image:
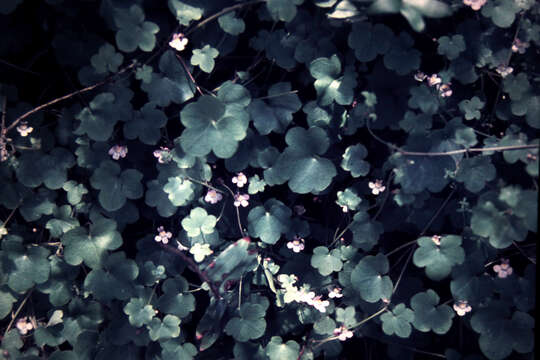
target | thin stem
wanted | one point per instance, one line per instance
(189, 74)
(18, 68)
(443, 205)
(203, 184)
(18, 311)
(402, 271)
(277, 95)
(400, 247)
(65, 97)
(523, 253)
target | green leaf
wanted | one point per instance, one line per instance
(200, 251)
(231, 24)
(275, 111)
(6, 302)
(41, 203)
(75, 191)
(139, 312)
(353, 160)
(146, 124)
(471, 108)
(428, 316)
(283, 10)
(367, 278)
(180, 191)
(401, 57)
(107, 59)
(114, 280)
(324, 326)
(62, 222)
(348, 199)
(133, 31)
(256, 185)
(277, 350)
(116, 187)
(366, 233)
(144, 73)
(233, 262)
(204, 58)
(176, 299)
(59, 286)
(502, 12)
(475, 172)
(91, 246)
(250, 325)
(416, 123)
(185, 12)
(301, 164)
(326, 262)
(199, 222)
(346, 316)
(368, 41)
(451, 47)
(166, 329)
(439, 259)
(270, 221)
(155, 196)
(212, 126)
(398, 321)
(425, 99)
(330, 84)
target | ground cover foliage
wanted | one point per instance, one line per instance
(268, 179)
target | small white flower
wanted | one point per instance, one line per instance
(320, 304)
(23, 325)
(504, 70)
(296, 245)
(163, 235)
(180, 246)
(343, 333)
(504, 269)
(163, 154)
(241, 200)
(436, 239)
(240, 180)
(118, 151)
(420, 76)
(376, 187)
(178, 42)
(3, 231)
(434, 80)
(23, 129)
(344, 208)
(335, 293)
(519, 46)
(475, 4)
(461, 307)
(444, 90)
(213, 197)
(305, 296)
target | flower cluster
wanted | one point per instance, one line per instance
(297, 244)
(163, 235)
(461, 307)
(335, 293)
(23, 129)
(213, 197)
(504, 269)
(504, 70)
(163, 154)
(475, 4)
(178, 42)
(240, 180)
(118, 151)
(241, 200)
(24, 325)
(519, 46)
(343, 333)
(302, 295)
(376, 187)
(434, 80)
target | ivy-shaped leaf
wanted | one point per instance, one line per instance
(75, 191)
(278, 350)
(139, 312)
(146, 124)
(212, 126)
(428, 316)
(398, 321)
(204, 58)
(475, 172)
(471, 108)
(330, 83)
(416, 123)
(176, 299)
(249, 325)
(502, 12)
(256, 185)
(133, 31)
(62, 222)
(366, 233)
(91, 246)
(401, 57)
(424, 98)
(348, 200)
(367, 278)
(232, 24)
(368, 41)
(283, 10)
(275, 111)
(353, 160)
(59, 287)
(326, 262)
(451, 47)
(278, 47)
(179, 190)
(200, 251)
(233, 262)
(270, 221)
(106, 60)
(438, 259)
(161, 330)
(185, 12)
(115, 186)
(199, 222)
(39, 204)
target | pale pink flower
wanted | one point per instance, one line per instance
(319, 304)
(297, 244)
(162, 154)
(504, 70)
(241, 199)
(23, 325)
(305, 296)
(436, 239)
(163, 235)
(444, 90)
(343, 333)
(376, 187)
(213, 197)
(178, 42)
(335, 293)
(240, 180)
(344, 208)
(420, 76)
(475, 4)
(519, 46)
(504, 269)
(461, 307)
(23, 129)
(434, 80)
(118, 151)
